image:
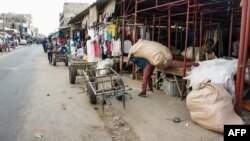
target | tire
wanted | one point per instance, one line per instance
(72, 75)
(66, 63)
(91, 94)
(116, 83)
(54, 61)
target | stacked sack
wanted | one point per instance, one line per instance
(157, 54)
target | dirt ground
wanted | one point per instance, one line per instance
(151, 118)
(59, 111)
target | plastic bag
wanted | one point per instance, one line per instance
(189, 54)
(219, 71)
(104, 64)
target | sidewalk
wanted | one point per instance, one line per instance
(151, 117)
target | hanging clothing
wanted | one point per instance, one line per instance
(91, 33)
(105, 34)
(109, 45)
(147, 35)
(91, 51)
(127, 46)
(113, 28)
(142, 33)
(97, 49)
(109, 36)
(127, 29)
(116, 47)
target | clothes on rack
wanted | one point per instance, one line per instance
(91, 51)
(116, 47)
(127, 46)
(91, 33)
(112, 29)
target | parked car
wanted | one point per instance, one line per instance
(3, 45)
(23, 42)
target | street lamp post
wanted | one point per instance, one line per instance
(3, 23)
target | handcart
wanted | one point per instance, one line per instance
(77, 67)
(59, 57)
(107, 84)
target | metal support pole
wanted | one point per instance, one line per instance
(3, 24)
(231, 32)
(185, 54)
(245, 54)
(169, 28)
(241, 52)
(135, 37)
(123, 35)
(195, 24)
(153, 34)
(176, 35)
(201, 20)
(159, 30)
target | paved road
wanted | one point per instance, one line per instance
(36, 100)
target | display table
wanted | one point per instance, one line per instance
(176, 68)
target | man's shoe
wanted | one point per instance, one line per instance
(142, 95)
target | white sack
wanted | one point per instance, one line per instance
(211, 107)
(189, 54)
(104, 64)
(157, 54)
(219, 71)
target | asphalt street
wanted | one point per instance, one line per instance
(38, 102)
(17, 73)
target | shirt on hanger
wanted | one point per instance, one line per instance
(116, 47)
(127, 46)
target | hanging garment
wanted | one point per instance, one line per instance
(142, 32)
(109, 33)
(97, 49)
(215, 36)
(91, 51)
(109, 45)
(127, 29)
(109, 36)
(105, 34)
(148, 35)
(116, 47)
(105, 49)
(91, 33)
(113, 28)
(127, 46)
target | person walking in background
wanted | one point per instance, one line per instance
(50, 52)
(45, 43)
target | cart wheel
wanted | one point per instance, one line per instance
(118, 82)
(54, 60)
(91, 94)
(72, 75)
(66, 63)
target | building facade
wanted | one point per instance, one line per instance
(70, 10)
(22, 23)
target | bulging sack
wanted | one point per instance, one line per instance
(211, 107)
(157, 54)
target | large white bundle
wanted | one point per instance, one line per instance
(189, 54)
(219, 71)
(211, 107)
(104, 64)
(157, 54)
